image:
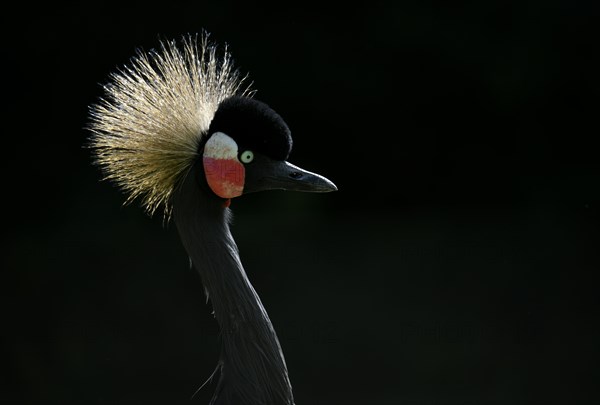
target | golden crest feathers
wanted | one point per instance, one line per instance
(147, 129)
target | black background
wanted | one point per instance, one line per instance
(455, 265)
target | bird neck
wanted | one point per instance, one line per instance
(253, 369)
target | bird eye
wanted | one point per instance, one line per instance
(247, 156)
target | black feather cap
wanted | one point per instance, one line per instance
(253, 125)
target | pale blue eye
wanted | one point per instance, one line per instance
(247, 156)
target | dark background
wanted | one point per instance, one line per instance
(456, 265)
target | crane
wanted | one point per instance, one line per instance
(178, 129)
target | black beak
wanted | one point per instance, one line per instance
(268, 174)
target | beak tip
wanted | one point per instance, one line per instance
(324, 185)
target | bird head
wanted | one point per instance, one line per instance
(246, 150)
(181, 108)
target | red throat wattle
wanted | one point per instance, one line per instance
(225, 177)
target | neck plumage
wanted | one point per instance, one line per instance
(252, 366)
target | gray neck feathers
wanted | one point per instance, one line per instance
(252, 366)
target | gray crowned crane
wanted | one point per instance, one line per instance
(178, 130)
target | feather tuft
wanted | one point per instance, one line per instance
(147, 128)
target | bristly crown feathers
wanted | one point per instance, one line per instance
(156, 111)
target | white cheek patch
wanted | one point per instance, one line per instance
(221, 146)
(224, 173)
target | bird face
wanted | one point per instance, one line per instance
(246, 151)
